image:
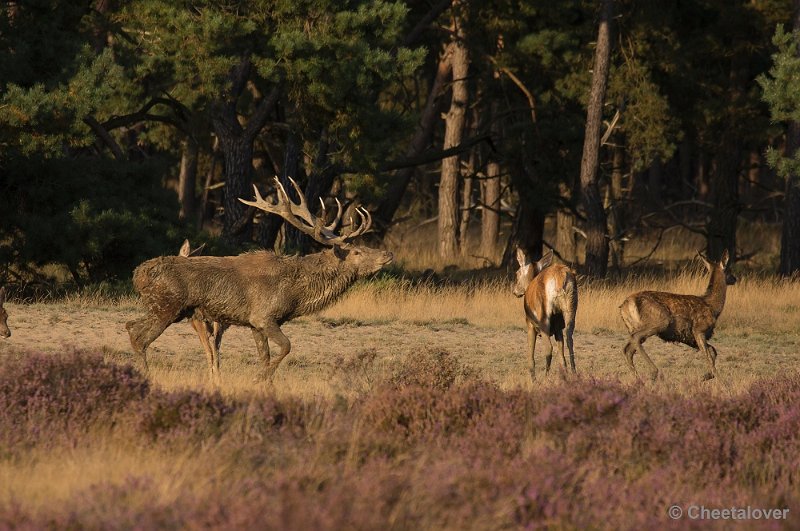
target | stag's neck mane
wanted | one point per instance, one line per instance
(715, 292)
(324, 279)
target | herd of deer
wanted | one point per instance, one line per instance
(262, 291)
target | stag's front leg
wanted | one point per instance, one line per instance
(201, 327)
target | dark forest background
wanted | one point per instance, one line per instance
(128, 126)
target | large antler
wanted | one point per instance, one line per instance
(299, 216)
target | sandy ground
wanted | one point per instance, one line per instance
(320, 347)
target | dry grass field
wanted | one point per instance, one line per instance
(402, 406)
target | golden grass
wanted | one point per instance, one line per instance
(755, 304)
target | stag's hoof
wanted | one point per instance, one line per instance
(707, 376)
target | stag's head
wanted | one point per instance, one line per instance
(720, 268)
(4, 330)
(364, 260)
(528, 270)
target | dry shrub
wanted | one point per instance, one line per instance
(183, 415)
(431, 369)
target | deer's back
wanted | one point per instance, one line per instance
(552, 292)
(685, 314)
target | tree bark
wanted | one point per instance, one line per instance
(618, 209)
(527, 233)
(466, 205)
(454, 132)
(187, 179)
(790, 234)
(490, 214)
(236, 144)
(596, 241)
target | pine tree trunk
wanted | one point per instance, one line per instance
(790, 235)
(527, 233)
(490, 214)
(617, 210)
(463, 226)
(454, 132)
(565, 235)
(596, 241)
(187, 179)
(238, 156)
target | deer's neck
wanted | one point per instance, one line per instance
(715, 292)
(324, 285)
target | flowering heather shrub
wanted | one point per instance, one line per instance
(184, 415)
(44, 395)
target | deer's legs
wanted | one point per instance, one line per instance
(711, 355)
(629, 351)
(568, 330)
(262, 345)
(532, 332)
(548, 358)
(203, 332)
(273, 332)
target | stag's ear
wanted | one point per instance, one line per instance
(185, 249)
(546, 260)
(724, 259)
(340, 252)
(522, 258)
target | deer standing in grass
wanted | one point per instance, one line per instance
(209, 332)
(4, 330)
(551, 302)
(687, 319)
(256, 289)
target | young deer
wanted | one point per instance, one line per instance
(687, 319)
(209, 331)
(551, 301)
(4, 330)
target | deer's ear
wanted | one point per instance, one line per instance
(185, 248)
(522, 258)
(2, 296)
(340, 252)
(546, 260)
(724, 259)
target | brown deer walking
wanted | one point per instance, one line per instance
(687, 319)
(550, 302)
(4, 330)
(257, 289)
(209, 332)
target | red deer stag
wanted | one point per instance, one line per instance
(256, 289)
(687, 319)
(209, 332)
(551, 301)
(4, 330)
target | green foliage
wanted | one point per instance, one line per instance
(780, 93)
(98, 218)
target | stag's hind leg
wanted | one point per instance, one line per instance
(271, 331)
(532, 333)
(204, 333)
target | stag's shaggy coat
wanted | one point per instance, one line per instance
(687, 319)
(258, 289)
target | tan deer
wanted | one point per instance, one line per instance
(256, 289)
(4, 330)
(687, 319)
(551, 302)
(209, 332)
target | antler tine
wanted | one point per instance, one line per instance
(332, 225)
